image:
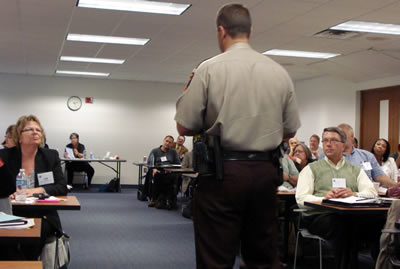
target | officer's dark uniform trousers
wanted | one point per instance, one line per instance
(242, 208)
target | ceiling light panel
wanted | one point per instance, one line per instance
(369, 27)
(136, 6)
(107, 39)
(298, 53)
(91, 60)
(96, 74)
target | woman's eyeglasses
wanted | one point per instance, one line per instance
(31, 130)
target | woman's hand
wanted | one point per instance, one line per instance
(30, 192)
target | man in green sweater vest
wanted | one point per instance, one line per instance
(334, 177)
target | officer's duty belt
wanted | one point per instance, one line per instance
(247, 155)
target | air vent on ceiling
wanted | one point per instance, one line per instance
(337, 34)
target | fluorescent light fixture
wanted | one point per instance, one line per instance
(298, 53)
(66, 72)
(91, 60)
(136, 6)
(369, 27)
(108, 39)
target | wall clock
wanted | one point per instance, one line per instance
(74, 103)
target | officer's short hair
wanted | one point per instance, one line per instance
(235, 18)
(73, 134)
(337, 130)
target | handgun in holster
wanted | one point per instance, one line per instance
(207, 156)
(277, 156)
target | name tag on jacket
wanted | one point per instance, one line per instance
(45, 178)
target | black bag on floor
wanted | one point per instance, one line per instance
(112, 185)
(141, 196)
(187, 210)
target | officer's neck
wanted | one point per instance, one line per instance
(229, 42)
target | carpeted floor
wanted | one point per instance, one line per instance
(115, 230)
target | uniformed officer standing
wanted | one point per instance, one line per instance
(247, 100)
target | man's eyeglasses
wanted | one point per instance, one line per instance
(333, 141)
(31, 130)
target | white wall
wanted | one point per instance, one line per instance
(127, 118)
(325, 102)
(130, 118)
(329, 101)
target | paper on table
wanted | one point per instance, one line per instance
(29, 223)
(70, 153)
(51, 199)
(29, 200)
(285, 189)
(355, 200)
(4, 218)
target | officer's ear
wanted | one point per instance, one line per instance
(221, 30)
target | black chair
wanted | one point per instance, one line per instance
(306, 234)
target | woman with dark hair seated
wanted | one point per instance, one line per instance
(29, 155)
(78, 151)
(301, 156)
(381, 150)
(8, 138)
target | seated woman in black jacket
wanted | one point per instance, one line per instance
(29, 155)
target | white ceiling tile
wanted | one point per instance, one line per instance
(32, 37)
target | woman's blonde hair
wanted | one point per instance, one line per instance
(20, 125)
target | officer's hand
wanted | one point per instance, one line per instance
(155, 171)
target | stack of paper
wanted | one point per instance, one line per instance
(10, 220)
(355, 200)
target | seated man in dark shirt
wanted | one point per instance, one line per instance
(165, 184)
(78, 151)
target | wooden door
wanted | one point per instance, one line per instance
(370, 110)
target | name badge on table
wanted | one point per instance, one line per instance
(45, 178)
(163, 159)
(367, 166)
(338, 182)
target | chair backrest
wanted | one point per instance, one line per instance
(300, 211)
(5, 205)
(390, 242)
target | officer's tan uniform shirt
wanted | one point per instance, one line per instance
(242, 96)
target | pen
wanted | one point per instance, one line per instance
(47, 201)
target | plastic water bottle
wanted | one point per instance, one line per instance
(21, 182)
(91, 156)
(84, 153)
(151, 160)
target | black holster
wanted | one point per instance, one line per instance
(207, 156)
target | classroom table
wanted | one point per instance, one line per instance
(28, 235)
(140, 166)
(351, 212)
(66, 203)
(117, 170)
(348, 210)
(21, 265)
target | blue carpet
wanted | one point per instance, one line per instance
(115, 230)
